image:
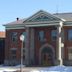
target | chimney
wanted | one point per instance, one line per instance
(17, 18)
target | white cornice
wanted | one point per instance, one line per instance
(32, 24)
(14, 26)
(41, 22)
(68, 23)
(39, 25)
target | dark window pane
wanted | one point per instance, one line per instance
(69, 34)
(54, 35)
(14, 36)
(41, 35)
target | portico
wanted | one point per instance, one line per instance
(58, 60)
(42, 19)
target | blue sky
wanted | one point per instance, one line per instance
(11, 9)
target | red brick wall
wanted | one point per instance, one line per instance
(48, 40)
(38, 45)
(9, 43)
(67, 43)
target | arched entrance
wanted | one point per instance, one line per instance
(47, 55)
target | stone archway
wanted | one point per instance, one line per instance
(46, 55)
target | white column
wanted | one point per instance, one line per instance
(27, 47)
(59, 42)
(63, 43)
(32, 46)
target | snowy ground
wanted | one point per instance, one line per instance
(54, 69)
(37, 69)
(8, 68)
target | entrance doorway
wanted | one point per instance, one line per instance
(47, 57)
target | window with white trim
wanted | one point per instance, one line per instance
(54, 34)
(70, 53)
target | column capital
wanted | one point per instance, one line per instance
(61, 23)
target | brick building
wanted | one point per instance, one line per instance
(2, 47)
(48, 39)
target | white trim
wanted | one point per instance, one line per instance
(46, 45)
(15, 28)
(19, 26)
(44, 23)
(41, 22)
(41, 25)
(68, 23)
(32, 24)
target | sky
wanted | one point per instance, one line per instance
(11, 9)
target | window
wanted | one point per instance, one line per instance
(54, 35)
(41, 36)
(70, 34)
(13, 53)
(14, 36)
(70, 53)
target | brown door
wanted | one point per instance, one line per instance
(46, 59)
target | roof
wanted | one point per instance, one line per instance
(20, 21)
(66, 16)
(2, 34)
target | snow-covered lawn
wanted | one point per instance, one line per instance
(54, 69)
(7, 69)
(36, 69)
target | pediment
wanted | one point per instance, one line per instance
(42, 16)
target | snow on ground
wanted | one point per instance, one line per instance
(54, 69)
(7, 68)
(36, 69)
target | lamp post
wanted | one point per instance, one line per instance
(22, 37)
